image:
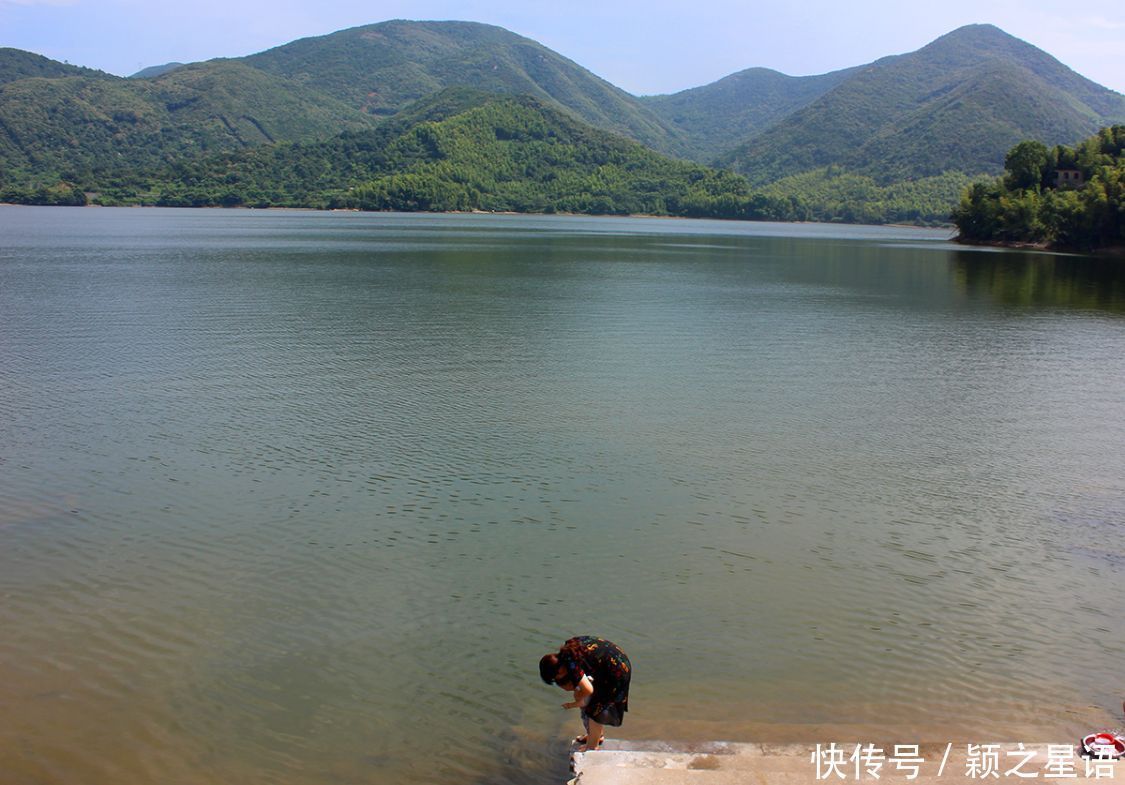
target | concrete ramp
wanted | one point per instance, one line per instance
(622, 762)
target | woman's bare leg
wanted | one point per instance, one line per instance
(594, 733)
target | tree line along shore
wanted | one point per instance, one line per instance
(1065, 198)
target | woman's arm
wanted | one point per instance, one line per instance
(582, 694)
(584, 691)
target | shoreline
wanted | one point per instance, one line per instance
(274, 208)
(478, 211)
(1042, 247)
(727, 763)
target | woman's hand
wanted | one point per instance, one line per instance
(570, 705)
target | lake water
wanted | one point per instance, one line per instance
(301, 498)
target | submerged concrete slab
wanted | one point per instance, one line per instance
(621, 762)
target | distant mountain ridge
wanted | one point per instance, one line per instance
(957, 104)
(383, 67)
(933, 117)
(154, 71)
(16, 64)
(738, 106)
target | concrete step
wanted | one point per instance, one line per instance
(706, 756)
(622, 762)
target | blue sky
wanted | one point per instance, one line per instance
(643, 47)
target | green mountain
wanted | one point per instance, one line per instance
(957, 104)
(154, 71)
(894, 140)
(87, 130)
(466, 150)
(16, 64)
(383, 67)
(715, 117)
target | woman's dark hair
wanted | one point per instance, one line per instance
(548, 668)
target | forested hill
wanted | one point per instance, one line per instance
(895, 140)
(957, 104)
(383, 67)
(17, 64)
(154, 71)
(90, 130)
(715, 117)
(466, 150)
(1063, 197)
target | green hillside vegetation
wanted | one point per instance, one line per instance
(91, 132)
(464, 150)
(381, 68)
(957, 104)
(154, 71)
(832, 194)
(16, 64)
(715, 117)
(1027, 204)
(893, 141)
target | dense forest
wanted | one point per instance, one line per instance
(1060, 197)
(459, 150)
(834, 194)
(91, 131)
(468, 150)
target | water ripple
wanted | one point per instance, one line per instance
(302, 498)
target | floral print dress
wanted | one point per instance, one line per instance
(608, 668)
